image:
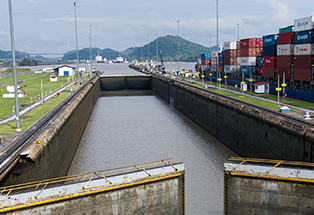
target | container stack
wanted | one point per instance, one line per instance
(248, 55)
(230, 57)
(205, 61)
(215, 59)
(303, 49)
(221, 61)
(285, 40)
(269, 55)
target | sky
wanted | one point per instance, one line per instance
(42, 26)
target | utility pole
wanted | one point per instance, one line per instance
(156, 48)
(142, 49)
(17, 107)
(218, 74)
(238, 32)
(90, 51)
(178, 21)
(148, 48)
(77, 55)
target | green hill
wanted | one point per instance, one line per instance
(188, 51)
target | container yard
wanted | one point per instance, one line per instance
(284, 58)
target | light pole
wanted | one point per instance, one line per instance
(238, 32)
(17, 109)
(178, 21)
(148, 48)
(218, 74)
(90, 51)
(142, 49)
(77, 55)
(156, 47)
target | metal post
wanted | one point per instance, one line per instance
(283, 85)
(238, 32)
(142, 49)
(90, 51)
(77, 55)
(17, 109)
(178, 45)
(148, 48)
(217, 45)
(278, 89)
(156, 48)
(42, 91)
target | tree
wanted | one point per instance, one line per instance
(28, 62)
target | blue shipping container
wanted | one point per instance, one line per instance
(247, 69)
(260, 61)
(303, 37)
(222, 62)
(269, 51)
(205, 56)
(269, 40)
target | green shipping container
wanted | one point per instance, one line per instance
(287, 29)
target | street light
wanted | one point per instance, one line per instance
(238, 31)
(156, 48)
(17, 109)
(148, 48)
(77, 55)
(90, 51)
(178, 21)
(218, 74)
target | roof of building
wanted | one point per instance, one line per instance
(63, 66)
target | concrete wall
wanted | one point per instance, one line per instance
(165, 196)
(130, 82)
(51, 154)
(247, 131)
(247, 195)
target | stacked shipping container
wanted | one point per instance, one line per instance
(285, 53)
(269, 55)
(230, 57)
(205, 62)
(249, 50)
(303, 49)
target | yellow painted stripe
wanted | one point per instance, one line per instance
(31, 151)
(273, 177)
(63, 198)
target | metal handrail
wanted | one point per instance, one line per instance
(258, 160)
(83, 176)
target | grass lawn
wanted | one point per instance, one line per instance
(32, 90)
(32, 116)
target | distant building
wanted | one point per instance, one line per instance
(64, 70)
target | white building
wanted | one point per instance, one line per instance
(262, 88)
(65, 70)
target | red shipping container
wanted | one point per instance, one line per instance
(233, 53)
(282, 70)
(221, 69)
(248, 52)
(259, 52)
(269, 71)
(285, 38)
(230, 61)
(269, 61)
(259, 42)
(248, 43)
(238, 44)
(205, 61)
(284, 61)
(302, 74)
(303, 61)
(238, 53)
(259, 70)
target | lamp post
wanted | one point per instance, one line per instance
(17, 109)
(148, 48)
(178, 21)
(77, 55)
(142, 49)
(238, 31)
(156, 48)
(90, 51)
(218, 74)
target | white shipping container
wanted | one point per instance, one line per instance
(248, 61)
(230, 68)
(286, 49)
(213, 54)
(304, 24)
(304, 49)
(230, 45)
(214, 60)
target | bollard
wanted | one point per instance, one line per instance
(31, 100)
(49, 91)
(13, 109)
